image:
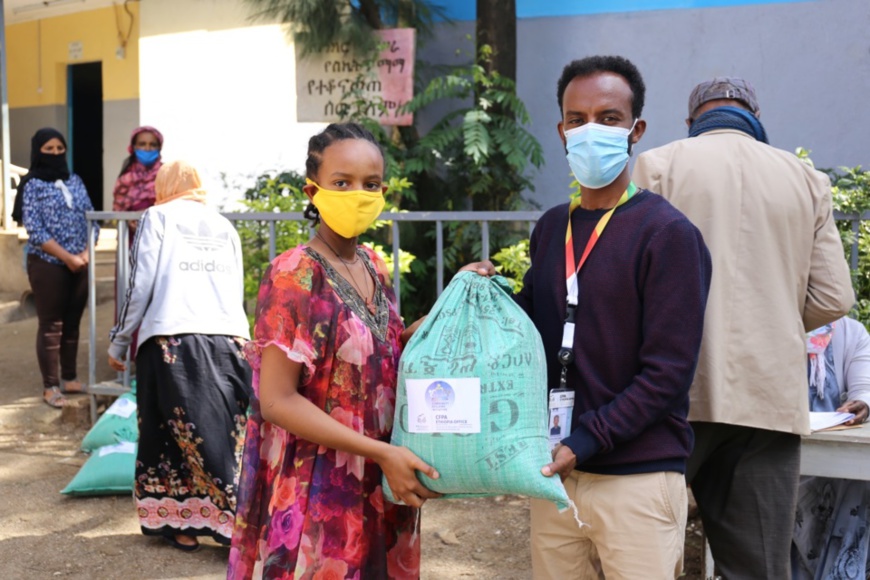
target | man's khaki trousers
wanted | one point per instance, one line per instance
(634, 527)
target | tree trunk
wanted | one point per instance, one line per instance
(497, 27)
(371, 11)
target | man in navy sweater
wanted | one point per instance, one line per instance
(622, 335)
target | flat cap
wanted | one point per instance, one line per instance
(723, 88)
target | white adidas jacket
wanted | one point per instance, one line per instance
(186, 277)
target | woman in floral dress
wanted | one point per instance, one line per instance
(325, 356)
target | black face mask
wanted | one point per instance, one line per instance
(49, 167)
(43, 166)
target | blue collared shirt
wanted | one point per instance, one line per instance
(47, 217)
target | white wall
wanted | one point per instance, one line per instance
(221, 87)
(809, 62)
(221, 90)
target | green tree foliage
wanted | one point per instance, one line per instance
(850, 187)
(512, 263)
(319, 24)
(482, 150)
(478, 156)
(270, 192)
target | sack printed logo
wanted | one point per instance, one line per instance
(440, 396)
(203, 240)
(445, 405)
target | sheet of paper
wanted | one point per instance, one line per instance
(122, 447)
(825, 420)
(443, 405)
(122, 407)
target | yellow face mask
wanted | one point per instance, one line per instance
(347, 213)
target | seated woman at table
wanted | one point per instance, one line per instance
(832, 526)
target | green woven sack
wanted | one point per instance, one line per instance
(109, 470)
(117, 424)
(472, 396)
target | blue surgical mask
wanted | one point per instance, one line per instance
(147, 157)
(597, 153)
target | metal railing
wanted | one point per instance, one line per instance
(438, 218)
(122, 258)
(855, 220)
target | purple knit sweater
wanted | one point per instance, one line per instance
(639, 320)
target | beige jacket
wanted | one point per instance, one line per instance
(779, 270)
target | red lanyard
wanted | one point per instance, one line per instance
(570, 271)
(566, 353)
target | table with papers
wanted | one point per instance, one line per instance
(844, 453)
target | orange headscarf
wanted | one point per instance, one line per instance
(178, 180)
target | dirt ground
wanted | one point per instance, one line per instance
(44, 534)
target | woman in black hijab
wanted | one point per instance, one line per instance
(53, 206)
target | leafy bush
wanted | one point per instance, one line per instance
(512, 263)
(270, 192)
(476, 157)
(281, 192)
(850, 187)
(481, 151)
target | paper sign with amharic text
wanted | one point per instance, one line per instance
(325, 79)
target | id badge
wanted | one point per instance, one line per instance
(561, 411)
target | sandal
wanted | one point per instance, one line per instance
(79, 389)
(172, 541)
(54, 398)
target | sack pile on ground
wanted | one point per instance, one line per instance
(111, 442)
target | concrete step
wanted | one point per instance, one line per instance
(105, 252)
(104, 270)
(13, 276)
(12, 310)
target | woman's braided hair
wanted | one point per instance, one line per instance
(318, 144)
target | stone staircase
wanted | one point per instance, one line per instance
(104, 264)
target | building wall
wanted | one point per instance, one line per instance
(38, 56)
(809, 62)
(221, 88)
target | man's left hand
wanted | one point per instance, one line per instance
(563, 463)
(484, 268)
(858, 408)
